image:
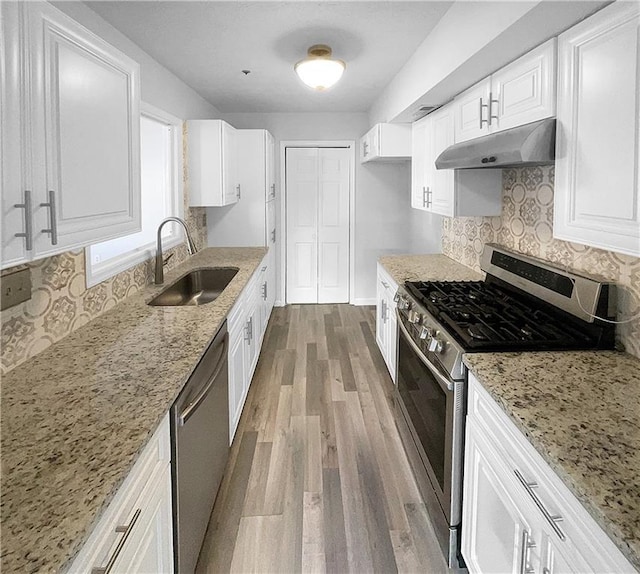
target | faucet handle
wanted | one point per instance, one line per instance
(166, 259)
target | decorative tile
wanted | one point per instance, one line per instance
(526, 225)
(58, 270)
(58, 321)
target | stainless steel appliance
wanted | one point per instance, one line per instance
(530, 144)
(523, 304)
(200, 448)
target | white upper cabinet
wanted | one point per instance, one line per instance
(212, 163)
(597, 186)
(471, 112)
(518, 94)
(386, 142)
(452, 193)
(249, 222)
(70, 135)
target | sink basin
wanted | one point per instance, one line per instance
(196, 288)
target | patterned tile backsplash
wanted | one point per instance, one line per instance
(61, 303)
(526, 226)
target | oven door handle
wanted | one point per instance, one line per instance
(446, 384)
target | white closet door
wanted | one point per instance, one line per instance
(302, 225)
(333, 225)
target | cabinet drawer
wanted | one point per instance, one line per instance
(573, 526)
(123, 509)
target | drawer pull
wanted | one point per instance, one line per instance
(28, 220)
(552, 520)
(527, 545)
(126, 530)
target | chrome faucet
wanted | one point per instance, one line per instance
(160, 261)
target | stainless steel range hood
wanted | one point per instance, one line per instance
(531, 144)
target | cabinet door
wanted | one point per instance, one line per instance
(525, 91)
(497, 535)
(270, 171)
(232, 191)
(150, 546)
(15, 184)
(381, 316)
(597, 192)
(366, 146)
(236, 378)
(440, 196)
(419, 133)
(392, 334)
(471, 111)
(86, 134)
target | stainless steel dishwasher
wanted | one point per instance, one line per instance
(200, 448)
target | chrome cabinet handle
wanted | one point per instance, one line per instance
(273, 190)
(273, 236)
(383, 309)
(482, 106)
(126, 529)
(491, 102)
(238, 190)
(365, 149)
(264, 291)
(552, 520)
(384, 284)
(53, 223)
(527, 545)
(28, 220)
(192, 407)
(264, 268)
(546, 570)
(426, 197)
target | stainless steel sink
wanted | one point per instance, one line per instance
(196, 288)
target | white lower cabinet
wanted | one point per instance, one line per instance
(135, 533)
(246, 323)
(386, 325)
(517, 515)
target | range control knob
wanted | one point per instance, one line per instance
(425, 332)
(413, 316)
(436, 345)
(403, 303)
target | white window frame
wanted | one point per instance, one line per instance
(99, 272)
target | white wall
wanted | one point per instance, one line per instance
(159, 87)
(383, 211)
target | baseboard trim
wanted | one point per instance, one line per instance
(364, 301)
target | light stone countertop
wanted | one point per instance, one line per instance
(581, 411)
(77, 415)
(434, 267)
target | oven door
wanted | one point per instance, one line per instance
(432, 406)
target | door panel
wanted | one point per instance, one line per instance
(318, 182)
(90, 122)
(302, 233)
(333, 226)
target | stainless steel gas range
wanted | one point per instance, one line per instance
(523, 305)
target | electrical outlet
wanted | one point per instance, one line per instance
(15, 288)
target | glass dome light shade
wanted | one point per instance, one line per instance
(318, 70)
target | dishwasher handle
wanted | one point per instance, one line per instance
(193, 405)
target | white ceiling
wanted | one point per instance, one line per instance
(208, 44)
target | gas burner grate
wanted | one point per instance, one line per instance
(484, 316)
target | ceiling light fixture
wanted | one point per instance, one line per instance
(318, 70)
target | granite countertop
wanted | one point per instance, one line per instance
(76, 416)
(581, 411)
(434, 267)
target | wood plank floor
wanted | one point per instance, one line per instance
(317, 479)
